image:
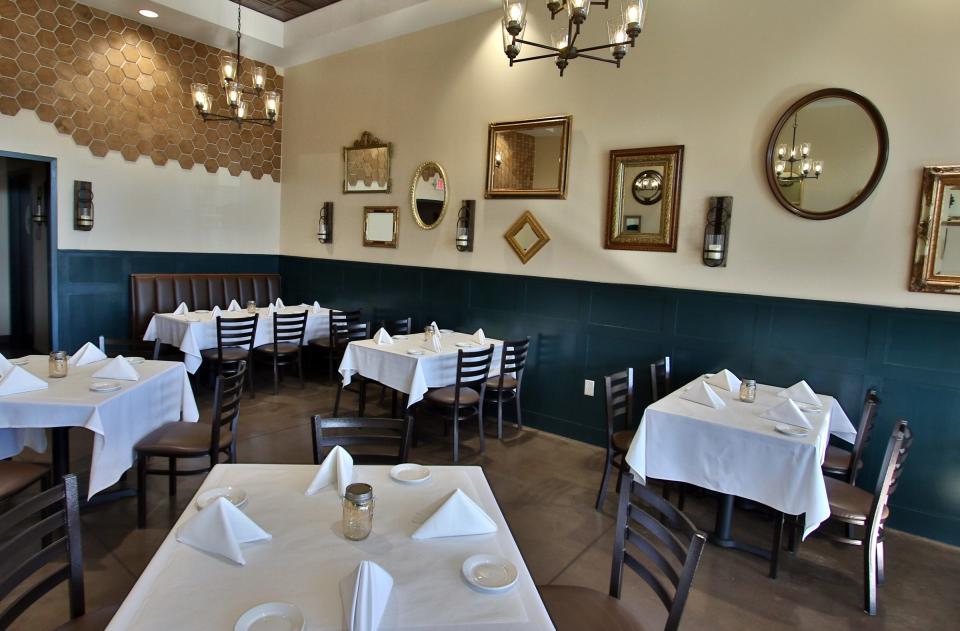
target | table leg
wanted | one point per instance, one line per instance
(60, 453)
(722, 534)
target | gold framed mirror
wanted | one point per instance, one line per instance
(429, 194)
(528, 158)
(936, 262)
(381, 226)
(643, 204)
(526, 236)
(366, 165)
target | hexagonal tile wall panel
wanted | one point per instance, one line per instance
(117, 85)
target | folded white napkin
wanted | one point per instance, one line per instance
(336, 468)
(316, 307)
(788, 412)
(215, 312)
(434, 344)
(220, 528)
(435, 327)
(279, 304)
(725, 380)
(800, 392)
(703, 394)
(271, 310)
(5, 365)
(382, 337)
(86, 354)
(365, 593)
(182, 309)
(18, 380)
(118, 368)
(234, 306)
(480, 337)
(458, 516)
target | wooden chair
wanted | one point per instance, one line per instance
(843, 464)
(369, 440)
(618, 390)
(180, 439)
(287, 346)
(661, 378)
(343, 335)
(112, 346)
(37, 535)
(235, 337)
(327, 345)
(16, 476)
(506, 386)
(665, 559)
(464, 400)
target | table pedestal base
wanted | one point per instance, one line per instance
(722, 536)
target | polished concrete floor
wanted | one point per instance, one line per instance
(546, 486)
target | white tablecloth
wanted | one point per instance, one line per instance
(186, 589)
(117, 419)
(191, 337)
(390, 364)
(735, 451)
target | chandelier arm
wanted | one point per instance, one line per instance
(237, 72)
(549, 56)
(536, 45)
(598, 47)
(609, 61)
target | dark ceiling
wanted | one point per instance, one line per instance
(284, 10)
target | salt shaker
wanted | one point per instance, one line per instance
(748, 390)
(358, 511)
(58, 364)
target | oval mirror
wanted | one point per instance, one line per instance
(826, 154)
(428, 195)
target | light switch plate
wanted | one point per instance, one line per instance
(588, 388)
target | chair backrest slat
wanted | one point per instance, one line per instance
(898, 449)
(351, 332)
(236, 332)
(289, 328)
(513, 359)
(473, 368)
(619, 399)
(339, 319)
(868, 420)
(661, 377)
(403, 326)
(227, 394)
(381, 440)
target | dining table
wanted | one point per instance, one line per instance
(196, 331)
(117, 419)
(307, 557)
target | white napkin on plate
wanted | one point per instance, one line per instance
(801, 392)
(5, 365)
(316, 307)
(215, 312)
(703, 394)
(337, 468)
(86, 354)
(365, 594)
(788, 412)
(182, 309)
(19, 380)
(279, 304)
(220, 528)
(118, 368)
(434, 344)
(480, 337)
(382, 337)
(458, 516)
(234, 306)
(725, 380)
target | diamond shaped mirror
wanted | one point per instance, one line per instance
(526, 236)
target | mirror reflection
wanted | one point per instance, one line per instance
(528, 158)
(428, 195)
(380, 226)
(642, 211)
(526, 238)
(644, 198)
(947, 262)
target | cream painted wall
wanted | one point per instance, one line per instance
(712, 75)
(141, 206)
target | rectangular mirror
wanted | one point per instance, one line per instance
(644, 199)
(366, 165)
(528, 158)
(380, 226)
(936, 265)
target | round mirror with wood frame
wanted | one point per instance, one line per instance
(429, 195)
(827, 154)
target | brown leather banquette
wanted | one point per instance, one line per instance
(162, 293)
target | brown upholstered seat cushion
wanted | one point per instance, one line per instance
(837, 460)
(283, 348)
(509, 383)
(848, 502)
(230, 353)
(180, 439)
(444, 396)
(91, 621)
(16, 476)
(582, 609)
(320, 342)
(622, 440)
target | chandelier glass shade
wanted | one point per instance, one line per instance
(794, 163)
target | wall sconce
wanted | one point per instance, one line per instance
(716, 234)
(465, 226)
(39, 216)
(82, 205)
(325, 225)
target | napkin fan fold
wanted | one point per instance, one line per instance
(480, 337)
(118, 368)
(336, 468)
(703, 394)
(86, 354)
(181, 309)
(5, 365)
(17, 380)
(725, 380)
(458, 516)
(220, 528)
(365, 594)
(382, 337)
(234, 306)
(801, 392)
(788, 412)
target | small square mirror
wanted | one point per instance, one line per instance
(380, 226)
(526, 236)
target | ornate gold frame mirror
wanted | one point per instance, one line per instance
(429, 195)
(643, 205)
(528, 158)
(381, 226)
(936, 261)
(366, 165)
(526, 236)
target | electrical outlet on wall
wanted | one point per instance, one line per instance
(588, 387)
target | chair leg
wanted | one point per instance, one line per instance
(881, 573)
(480, 419)
(276, 376)
(330, 364)
(499, 416)
(336, 401)
(172, 477)
(300, 367)
(393, 405)
(141, 491)
(681, 495)
(456, 437)
(516, 401)
(253, 394)
(777, 544)
(870, 575)
(602, 494)
(362, 403)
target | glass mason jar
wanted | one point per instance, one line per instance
(358, 511)
(427, 333)
(58, 364)
(251, 306)
(748, 390)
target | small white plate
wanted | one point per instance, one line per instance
(446, 331)
(415, 351)
(791, 430)
(105, 386)
(234, 495)
(271, 617)
(135, 360)
(467, 344)
(809, 408)
(489, 573)
(399, 337)
(22, 361)
(410, 473)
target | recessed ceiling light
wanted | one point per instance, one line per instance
(147, 13)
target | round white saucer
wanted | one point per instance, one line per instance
(410, 473)
(234, 495)
(489, 573)
(272, 617)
